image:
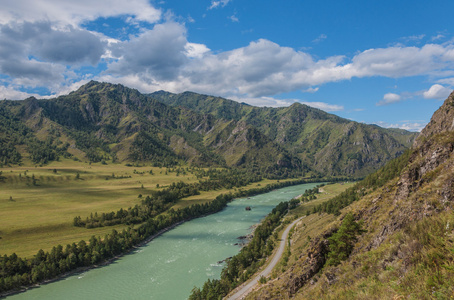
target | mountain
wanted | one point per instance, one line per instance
(102, 122)
(322, 141)
(405, 249)
(107, 122)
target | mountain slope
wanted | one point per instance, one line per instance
(407, 250)
(324, 142)
(102, 122)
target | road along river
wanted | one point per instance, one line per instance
(246, 288)
(172, 264)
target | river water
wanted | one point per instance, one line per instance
(172, 264)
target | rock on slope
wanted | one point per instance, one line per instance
(408, 249)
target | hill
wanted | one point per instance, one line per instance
(102, 122)
(405, 245)
(322, 141)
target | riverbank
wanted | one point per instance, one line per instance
(82, 270)
(171, 265)
(216, 205)
(244, 289)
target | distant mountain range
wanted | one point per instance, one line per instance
(102, 122)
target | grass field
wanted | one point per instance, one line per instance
(327, 192)
(38, 204)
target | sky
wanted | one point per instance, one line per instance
(386, 62)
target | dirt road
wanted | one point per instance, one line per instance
(245, 289)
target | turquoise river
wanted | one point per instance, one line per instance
(170, 266)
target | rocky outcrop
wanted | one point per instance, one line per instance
(313, 262)
(442, 121)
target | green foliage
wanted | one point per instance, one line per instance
(390, 171)
(342, 242)
(108, 121)
(16, 273)
(304, 133)
(243, 265)
(147, 147)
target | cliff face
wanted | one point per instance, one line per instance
(442, 121)
(408, 249)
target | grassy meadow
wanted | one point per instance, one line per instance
(38, 204)
(327, 192)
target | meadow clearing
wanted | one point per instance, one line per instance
(38, 204)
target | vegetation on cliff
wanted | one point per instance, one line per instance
(407, 251)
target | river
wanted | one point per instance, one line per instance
(170, 266)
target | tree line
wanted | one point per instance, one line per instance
(16, 272)
(161, 200)
(373, 181)
(243, 265)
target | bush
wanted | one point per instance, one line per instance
(341, 243)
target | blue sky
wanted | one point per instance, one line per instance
(389, 63)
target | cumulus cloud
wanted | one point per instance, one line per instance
(10, 93)
(262, 68)
(399, 61)
(437, 91)
(42, 42)
(36, 54)
(194, 50)
(76, 12)
(389, 98)
(46, 42)
(67, 45)
(157, 54)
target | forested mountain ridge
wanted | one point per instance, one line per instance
(102, 122)
(405, 245)
(322, 141)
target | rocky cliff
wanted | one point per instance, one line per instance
(408, 249)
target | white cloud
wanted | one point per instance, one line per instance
(263, 101)
(389, 98)
(220, 3)
(10, 93)
(311, 90)
(234, 18)
(272, 102)
(400, 61)
(190, 19)
(324, 106)
(437, 37)
(250, 72)
(76, 12)
(42, 53)
(37, 54)
(448, 81)
(415, 126)
(414, 38)
(320, 38)
(157, 54)
(437, 91)
(194, 50)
